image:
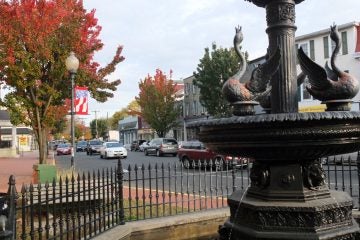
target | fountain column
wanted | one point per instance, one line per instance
(280, 17)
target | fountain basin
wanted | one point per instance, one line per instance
(283, 137)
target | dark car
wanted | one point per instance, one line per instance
(194, 152)
(161, 146)
(63, 149)
(135, 145)
(93, 146)
(81, 146)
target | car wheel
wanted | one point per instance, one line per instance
(146, 152)
(158, 154)
(186, 163)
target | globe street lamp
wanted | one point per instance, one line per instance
(72, 65)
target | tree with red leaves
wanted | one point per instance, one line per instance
(36, 36)
(157, 102)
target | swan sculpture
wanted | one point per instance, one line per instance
(328, 84)
(251, 90)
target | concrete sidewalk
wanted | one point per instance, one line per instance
(21, 167)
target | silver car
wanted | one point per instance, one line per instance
(113, 150)
(161, 146)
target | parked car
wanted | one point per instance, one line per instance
(135, 145)
(93, 146)
(81, 146)
(112, 150)
(63, 149)
(127, 146)
(194, 152)
(161, 146)
(143, 146)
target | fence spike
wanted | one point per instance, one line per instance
(23, 189)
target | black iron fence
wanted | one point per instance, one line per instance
(83, 206)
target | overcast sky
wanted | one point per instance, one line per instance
(172, 34)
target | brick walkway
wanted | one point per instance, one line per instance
(21, 167)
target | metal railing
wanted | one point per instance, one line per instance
(83, 206)
(165, 190)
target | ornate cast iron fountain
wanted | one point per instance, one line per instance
(288, 197)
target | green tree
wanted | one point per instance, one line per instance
(157, 102)
(99, 128)
(33, 50)
(216, 66)
(132, 108)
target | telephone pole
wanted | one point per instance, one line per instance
(96, 128)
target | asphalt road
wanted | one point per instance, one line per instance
(85, 163)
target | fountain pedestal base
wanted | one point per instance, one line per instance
(325, 218)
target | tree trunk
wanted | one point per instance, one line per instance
(42, 145)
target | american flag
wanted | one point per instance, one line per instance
(81, 100)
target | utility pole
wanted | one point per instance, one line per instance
(96, 128)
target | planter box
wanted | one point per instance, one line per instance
(43, 173)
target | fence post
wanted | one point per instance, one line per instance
(9, 211)
(120, 176)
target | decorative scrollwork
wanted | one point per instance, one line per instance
(313, 175)
(287, 12)
(260, 175)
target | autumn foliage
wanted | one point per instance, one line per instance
(157, 102)
(36, 36)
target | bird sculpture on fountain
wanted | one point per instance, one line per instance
(236, 92)
(330, 85)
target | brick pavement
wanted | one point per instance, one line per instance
(21, 167)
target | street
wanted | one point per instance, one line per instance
(85, 163)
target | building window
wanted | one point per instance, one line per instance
(326, 46)
(305, 48)
(344, 43)
(195, 108)
(305, 95)
(312, 50)
(187, 109)
(193, 89)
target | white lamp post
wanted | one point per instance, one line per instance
(72, 65)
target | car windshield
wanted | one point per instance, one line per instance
(170, 141)
(95, 143)
(63, 145)
(113, 145)
(81, 143)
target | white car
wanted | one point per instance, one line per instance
(143, 146)
(113, 150)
